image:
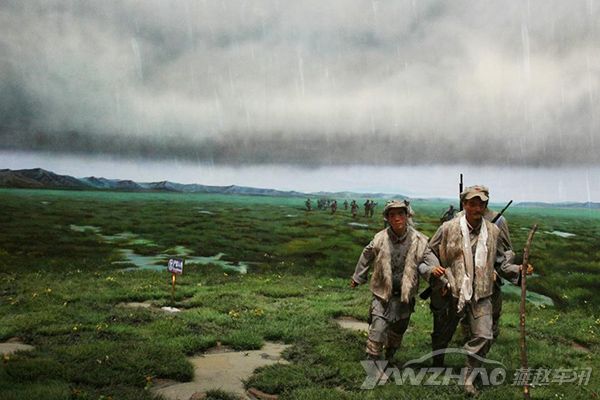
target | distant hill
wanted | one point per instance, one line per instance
(587, 204)
(41, 179)
(38, 178)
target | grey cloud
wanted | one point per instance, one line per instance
(335, 82)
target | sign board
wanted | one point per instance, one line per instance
(175, 266)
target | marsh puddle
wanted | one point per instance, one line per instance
(84, 228)
(560, 234)
(532, 297)
(153, 263)
(352, 323)
(159, 262)
(149, 305)
(358, 224)
(222, 369)
(13, 345)
(206, 212)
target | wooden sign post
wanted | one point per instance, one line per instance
(175, 267)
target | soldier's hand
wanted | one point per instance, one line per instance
(353, 283)
(529, 269)
(438, 271)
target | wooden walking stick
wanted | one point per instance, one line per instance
(523, 344)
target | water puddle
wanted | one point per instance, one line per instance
(13, 345)
(153, 263)
(123, 237)
(149, 305)
(291, 215)
(222, 369)
(358, 224)
(206, 212)
(532, 297)
(159, 262)
(560, 234)
(84, 228)
(352, 323)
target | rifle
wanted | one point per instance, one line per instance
(460, 190)
(497, 217)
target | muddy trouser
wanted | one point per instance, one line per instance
(387, 332)
(496, 312)
(446, 319)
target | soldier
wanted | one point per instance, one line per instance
(333, 206)
(470, 250)
(354, 208)
(396, 254)
(308, 204)
(372, 209)
(504, 236)
(449, 214)
(345, 204)
(367, 204)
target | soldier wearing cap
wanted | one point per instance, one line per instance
(470, 250)
(354, 208)
(504, 236)
(396, 254)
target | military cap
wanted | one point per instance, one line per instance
(475, 191)
(397, 204)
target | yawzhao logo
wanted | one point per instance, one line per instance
(490, 372)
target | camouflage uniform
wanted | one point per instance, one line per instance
(395, 280)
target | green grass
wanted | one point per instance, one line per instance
(60, 292)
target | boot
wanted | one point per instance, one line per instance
(389, 354)
(438, 360)
(470, 376)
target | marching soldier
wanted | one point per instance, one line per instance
(396, 255)
(354, 209)
(470, 250)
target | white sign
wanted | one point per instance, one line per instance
(176, 266)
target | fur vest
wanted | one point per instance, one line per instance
(381, 281)
(452, 258)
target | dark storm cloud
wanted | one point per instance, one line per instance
(335, 82)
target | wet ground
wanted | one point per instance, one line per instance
(221, 368)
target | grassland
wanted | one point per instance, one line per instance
(60, 290)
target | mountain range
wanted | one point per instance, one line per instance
(38, 178)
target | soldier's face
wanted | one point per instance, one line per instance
(474, 210)
(397, 219)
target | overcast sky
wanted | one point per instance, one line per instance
(338, 82)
